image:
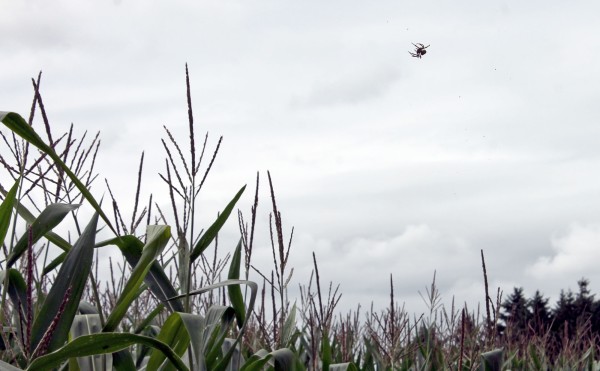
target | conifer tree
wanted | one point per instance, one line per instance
(515, 313)
(541, 317)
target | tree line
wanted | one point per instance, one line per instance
(573, 314)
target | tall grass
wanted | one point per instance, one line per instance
(172, 300)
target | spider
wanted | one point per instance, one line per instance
(419, 50)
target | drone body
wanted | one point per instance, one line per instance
(419, 50)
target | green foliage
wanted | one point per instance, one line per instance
(62, 301)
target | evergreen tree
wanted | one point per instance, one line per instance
(584, 301)
(565, 314)
(515, 313)
(541, 316)
(586, 307)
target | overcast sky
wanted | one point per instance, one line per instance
(384, 163)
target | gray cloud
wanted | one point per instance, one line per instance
(489, 142)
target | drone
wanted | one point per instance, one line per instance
(419, 50)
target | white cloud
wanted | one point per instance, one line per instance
(577, 252)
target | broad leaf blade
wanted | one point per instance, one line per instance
(212, 231)
(50, 236)
(289, 328)
(283, 359)
(101, 343)
(54, 263)
(235, 292)
(87, 324)
(6, 210)
(8, 367)
(214, 329)
(157, 239)
(45, 222)
(174, 334)
(343, 367)
(156, 279)
(73, 274)
(224, 361)
(17, 289)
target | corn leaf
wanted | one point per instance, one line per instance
(50, 236)
(17, 289)
(54, 263)
(87, 324)
(157, 237)
(45, 222)
(256, 362)
(492, 360)
(235, 291)
(102, 343)
(156, 279)
(72, 275)
(174, 334)
(343, 367)
(6, 210)
(224, 361)
(289, 328)
(8, 367)
(212, 231)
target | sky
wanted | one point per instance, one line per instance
(383, 163)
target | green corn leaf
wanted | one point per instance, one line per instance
(45, 222)
(234, 291)
(156, 279)
(343, 367)
(17, 288)
(19, 126)
(282, 359)
(6, 210)
(237, 359)
(214, 330)
(492, 360)
(325, 351)
(253, 291)
(87, 324)
(87, 308)
(289, 328)
(212, 231)
(256, 362)
(157, 238)
(102, 343)
(54, 263)
(50, 236)
(73, 274)
(194, 326)
(8, 367)
(148, 319)
(122, 360)
(224, 361)
(173, 334)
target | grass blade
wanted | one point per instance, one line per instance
(72, 275)
(17, 289)
(212, 231)
(87, 324)
(234, 291)
(156, 279)
(102, 343)
(157, 237)
(173, 334)
(6, 210)
(45, 222)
